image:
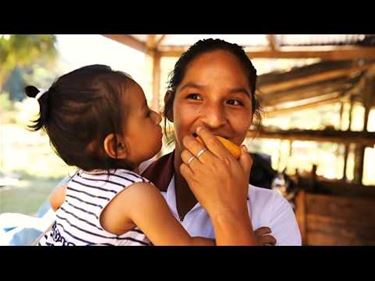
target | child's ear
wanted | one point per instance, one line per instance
(115, 147)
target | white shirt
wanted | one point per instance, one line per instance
(267, 208)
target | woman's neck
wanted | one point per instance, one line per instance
(185, 199)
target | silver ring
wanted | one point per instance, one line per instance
(190, 159)
(203, 150)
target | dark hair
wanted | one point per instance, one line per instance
(79, 110)
(199, 48)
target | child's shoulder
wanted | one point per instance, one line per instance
(118, 177)
(128, 175)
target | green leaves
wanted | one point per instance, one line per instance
(20, 50)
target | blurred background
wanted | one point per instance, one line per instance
(316, 145)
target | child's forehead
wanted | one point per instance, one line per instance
(134, 96)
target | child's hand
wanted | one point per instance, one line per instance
(263, 237)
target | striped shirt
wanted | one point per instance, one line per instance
(78, 218)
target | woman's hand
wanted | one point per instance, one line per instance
(220, 184)
(215, 177)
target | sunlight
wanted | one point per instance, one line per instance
(79, 50)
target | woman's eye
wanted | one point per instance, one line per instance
(194, 96)
(234, 102)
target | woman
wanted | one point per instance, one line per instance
(212, 92)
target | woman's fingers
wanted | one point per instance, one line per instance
(186, 171)
(212, 143)
(196, 149)
(187, 157)
(246, 161)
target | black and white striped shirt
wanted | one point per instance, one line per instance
(78, 218)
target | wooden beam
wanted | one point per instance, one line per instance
(150, 41)
(324, 53)
(270, 112)
(129, 41)
(308, 92)
(283, 83)
(333, 53)
(159, 41)
(345, 137)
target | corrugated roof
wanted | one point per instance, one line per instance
(262, 40)
(325, 39)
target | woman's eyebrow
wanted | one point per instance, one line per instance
(230, 91)
(191, 85)
(239, 90)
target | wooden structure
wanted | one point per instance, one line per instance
(336, 216)
(343, 73)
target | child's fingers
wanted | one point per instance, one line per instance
(263, 231)
(267, 240)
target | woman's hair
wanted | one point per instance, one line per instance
(199, 48)
(79, 110)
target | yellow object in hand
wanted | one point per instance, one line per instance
(234, 149)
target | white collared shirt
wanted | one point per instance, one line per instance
(267, 208)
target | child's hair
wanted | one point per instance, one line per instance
(79, 110)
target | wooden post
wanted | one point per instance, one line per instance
(346, 146)
(301, 214)
(346, 154)
(359, 153)
(366, 95)
(280, 152)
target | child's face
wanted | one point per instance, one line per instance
(142, 130)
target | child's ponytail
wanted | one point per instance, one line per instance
(42, 97)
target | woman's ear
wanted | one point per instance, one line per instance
(168, 105)
(115, 147)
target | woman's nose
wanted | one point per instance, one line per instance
(213, 116)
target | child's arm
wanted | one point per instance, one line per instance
(143, 205)
(57, 197)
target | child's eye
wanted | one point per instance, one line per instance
(235, 102)
(194, 96)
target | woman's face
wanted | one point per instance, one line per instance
(214, 93)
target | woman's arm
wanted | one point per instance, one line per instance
(143, 205)
(220, 184)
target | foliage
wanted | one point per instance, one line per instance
(22, 50)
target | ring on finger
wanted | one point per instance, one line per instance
(200, 152)
(191, 159)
